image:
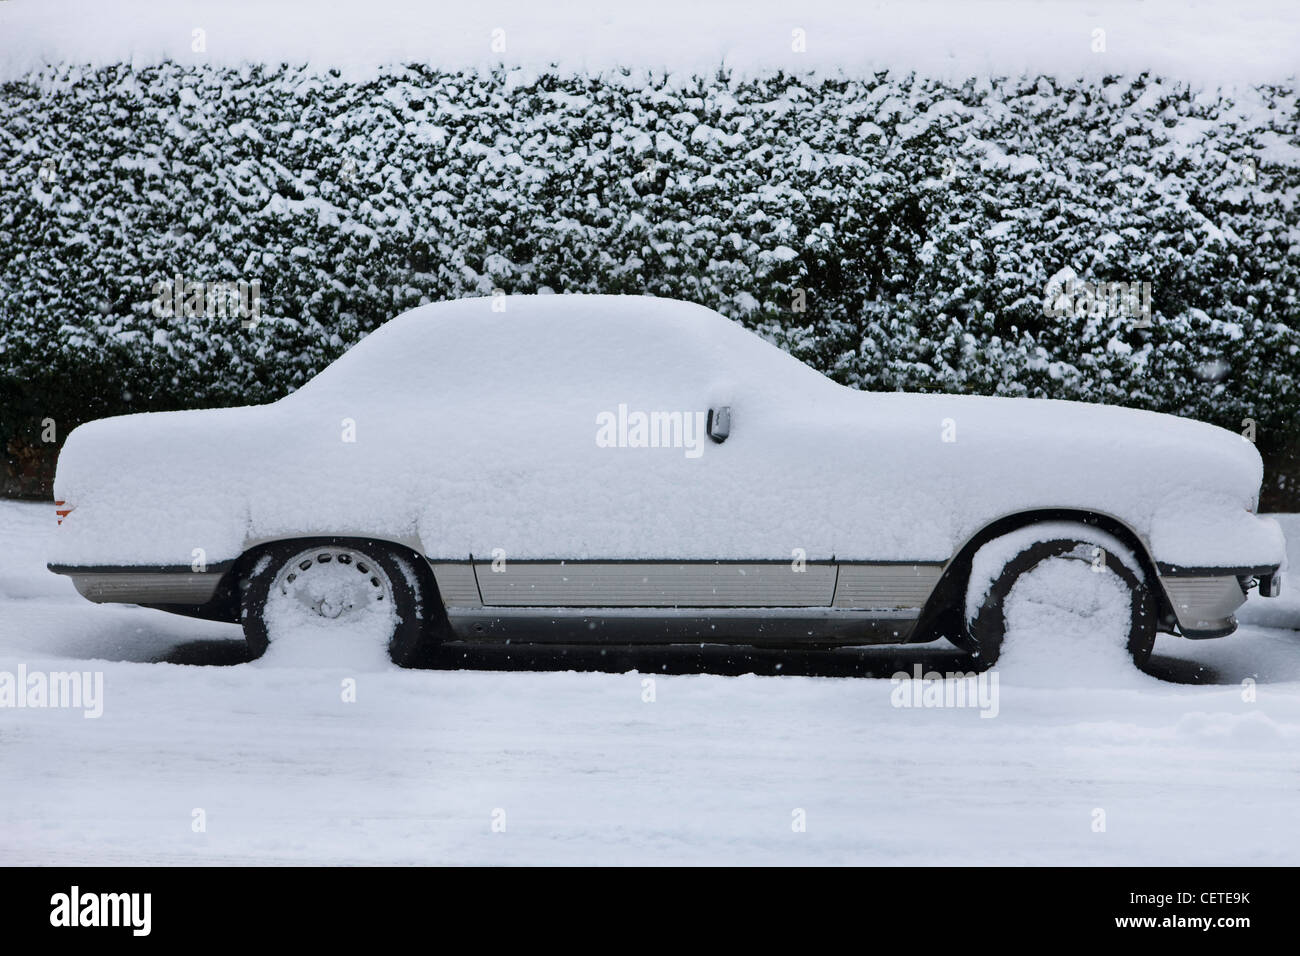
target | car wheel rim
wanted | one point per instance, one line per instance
(334, 584)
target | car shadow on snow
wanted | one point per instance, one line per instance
(709, 658)
(725, 660)
(869, 662)
(1177, 670)
(208, 653)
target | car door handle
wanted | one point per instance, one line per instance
(719, 423)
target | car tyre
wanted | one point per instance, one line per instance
(415, 634)
(986, 631)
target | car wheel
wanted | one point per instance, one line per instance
(1117, 596)
(337, 585)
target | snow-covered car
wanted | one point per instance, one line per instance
(627, 469)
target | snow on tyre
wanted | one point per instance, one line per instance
(1067, 597)
(333, 601)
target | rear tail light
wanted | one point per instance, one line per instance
(62, 509)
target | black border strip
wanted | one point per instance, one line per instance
(1182, 571)
(219, 567)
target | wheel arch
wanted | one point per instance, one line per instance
(948, 597)
(434, 613)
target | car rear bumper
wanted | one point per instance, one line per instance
(167, 585)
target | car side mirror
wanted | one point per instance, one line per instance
(719, 423)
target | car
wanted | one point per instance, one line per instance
(627, 469)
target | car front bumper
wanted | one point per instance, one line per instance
(1205, 600)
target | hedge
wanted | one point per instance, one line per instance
(895, 231)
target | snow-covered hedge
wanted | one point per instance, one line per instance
(896, 232)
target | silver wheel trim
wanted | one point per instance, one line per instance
(371, 586)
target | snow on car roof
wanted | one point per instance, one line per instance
(519, 342)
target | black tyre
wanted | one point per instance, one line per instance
(345, 583)
(987, 629)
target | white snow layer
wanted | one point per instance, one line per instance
(1067, 626)
(459, 429)
(299, 635)
(989, 561)
(1247, 41)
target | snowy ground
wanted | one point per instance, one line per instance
(563, 748)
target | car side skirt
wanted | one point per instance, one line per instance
(687, 584)
(784, 627)
(757, 603)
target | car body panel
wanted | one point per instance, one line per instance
(655, 584)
